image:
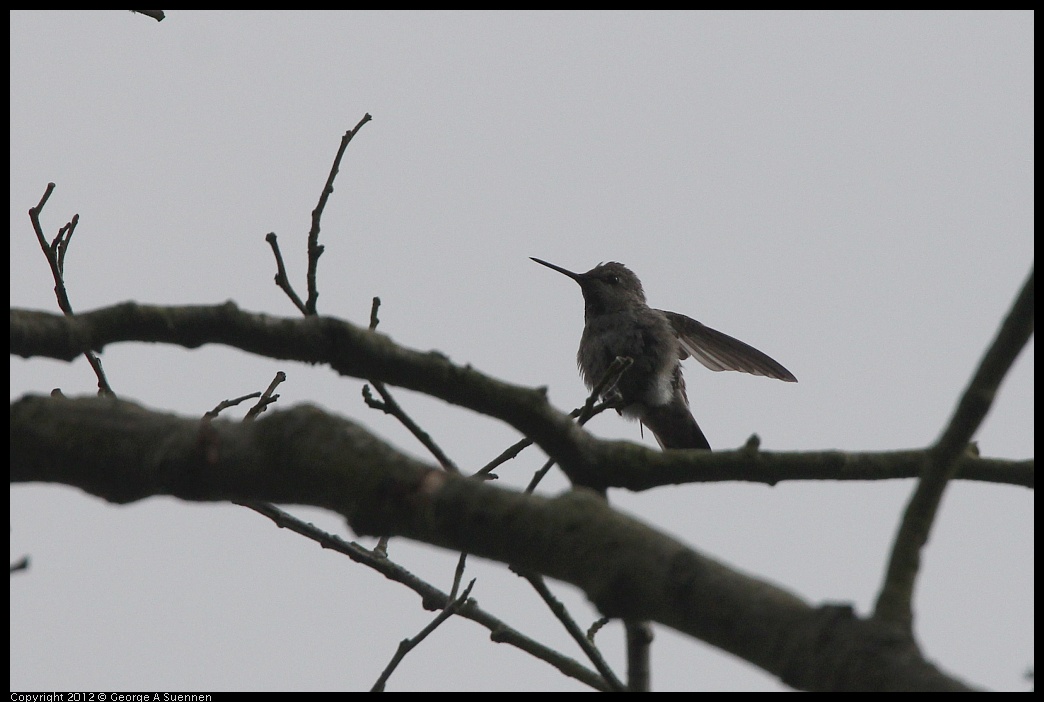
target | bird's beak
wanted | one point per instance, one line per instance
(563, 271)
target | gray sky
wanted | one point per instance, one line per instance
(850, 193)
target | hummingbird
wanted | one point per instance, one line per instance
(618, 322)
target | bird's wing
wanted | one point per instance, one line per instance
(721, 352)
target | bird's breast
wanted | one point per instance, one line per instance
(645, 337)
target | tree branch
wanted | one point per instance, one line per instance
(55, 255)
(315, 249)
(894, 604)
(357, 352)
(123, 452)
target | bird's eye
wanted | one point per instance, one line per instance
(613, 280)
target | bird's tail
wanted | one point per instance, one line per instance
(674, 427)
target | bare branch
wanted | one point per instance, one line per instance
(359, 353)
(225, 404)
(639, 641)
(431, 597)
(122, 452)
(585, 643)
(942, 462)
(266, 398)
(55, 255)
(407, 645)
(390, 406)
(315, 250)
(281, 279)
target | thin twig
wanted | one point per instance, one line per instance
(586, 644)
(225, 404)
(281, 278)
(458, 574)
(49, 253)
(390, 406)
(60, 243)
(639, 639)
(539, 475)
(432, 597)
(315, 249)
(516, 448)
(407, 645)
(374, 306)
(267, 397)
(508, 453)
(593, 630)
(608, 380)
(55, 255)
